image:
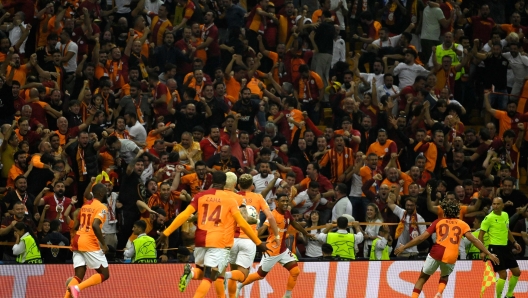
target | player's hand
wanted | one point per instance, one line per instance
(517, 246)
(105, 248)
(164, 259)
(399, 250)
(276, 243)
(494, 258)
(161, 240)
(263, 248)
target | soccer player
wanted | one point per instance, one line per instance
(279, 254)
(243, 251)
(444, 252)
(217, 214)
(496, 225)
(85, 245)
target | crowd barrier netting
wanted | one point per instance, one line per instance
(390, 279)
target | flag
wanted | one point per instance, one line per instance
(488, 279)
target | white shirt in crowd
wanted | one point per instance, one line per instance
(408, 73)
(371, 230)
(405, 237)
(261, 183)
(71, 65)
(390, 42)
(339, 12)
(138, 132)
(369, 76)
(313, 247)
(431, 23)
(303, 202)
(14, 37)
(121, 8)
(127, 150)
(339, 51)
(342, 206)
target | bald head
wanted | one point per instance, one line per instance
(99, 191)
(33, 93)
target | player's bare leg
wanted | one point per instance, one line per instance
(419, 284)
(442, 283)
(102, 275)
(255, 276)
(75, 280)
(237, 274)
(294, 270)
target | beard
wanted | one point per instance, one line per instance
(511, 114)
(59, 194)
(264, 174)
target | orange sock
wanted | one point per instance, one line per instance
(219, 287)
(92, 281)
(292, 279)
(231, 288)
(73, 282)
(252, 277)
(203, 288)
(197, 273)
(441, 286)
(237, 275)
(416, 293)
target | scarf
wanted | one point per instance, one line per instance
(82, 163)
(139, 113)
(413, 227)
(389, 19)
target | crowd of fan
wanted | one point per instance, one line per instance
(150, 98)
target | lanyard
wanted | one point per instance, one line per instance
(61, 205)
(23, 200)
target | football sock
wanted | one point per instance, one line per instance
(292, 279)
(236, 275)
(203, 288)
(73, 282)
(499, 287)
(197, 273)
(92, 281)
(416, 293)
(511, 285)
(219, 287)
(441, 286)
(251, 278)
(231, 288)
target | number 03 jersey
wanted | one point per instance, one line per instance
(449, 232)
(85, 239)
(216, 224)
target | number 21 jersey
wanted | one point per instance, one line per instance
(85, 239)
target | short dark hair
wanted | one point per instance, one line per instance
(342, 188)
(313, 184)
(342, 222)
(327, 248)
(141, 224)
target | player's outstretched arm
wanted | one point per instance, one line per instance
(299, 228)
(273, 225)
(481, 246)
(242, 223)
(176, 223)
(412, 243)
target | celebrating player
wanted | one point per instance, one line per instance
(217, 213)
(444, 252)
(243, 251)
(496, 225)
(85, 245)
(280, 254)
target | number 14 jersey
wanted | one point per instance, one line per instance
(215, 224)
(449, 231)
(85, 239)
